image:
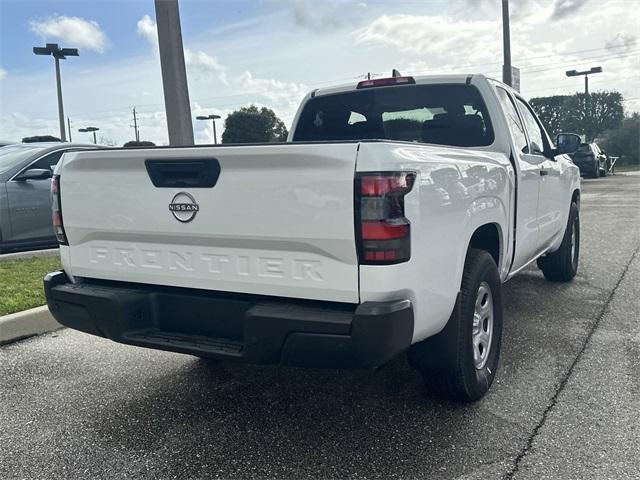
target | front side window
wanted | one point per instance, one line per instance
(536, 135)
(513, 120)
(443, 114)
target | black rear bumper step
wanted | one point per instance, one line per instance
(251, 328)
(195, 343)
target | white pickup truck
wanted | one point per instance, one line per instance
(386, 224)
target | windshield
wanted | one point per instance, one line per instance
(12, 155)
(444, 114)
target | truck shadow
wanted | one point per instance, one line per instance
(284, 422)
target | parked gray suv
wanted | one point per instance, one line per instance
(25, 183)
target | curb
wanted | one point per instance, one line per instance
(52, 252)
(35, 321)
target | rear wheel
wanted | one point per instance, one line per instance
(562, 265)
(460, 362)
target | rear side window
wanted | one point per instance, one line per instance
(444, 114)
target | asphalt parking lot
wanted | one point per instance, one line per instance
(565, 404)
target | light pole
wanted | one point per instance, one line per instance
(90, 129)
(58, 54)
(213, 119)
(174, 74)
(586, 73)
(506, 45)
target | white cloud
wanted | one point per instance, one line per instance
(202, 64)
(271, 88)
(432, 35)
(622, 41)
(3, 73)
(74, 31)
(147, 29)
(265, 60)
(565, 8)
(324, 16)
(198, 62)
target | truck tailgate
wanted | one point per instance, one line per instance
(278, 221)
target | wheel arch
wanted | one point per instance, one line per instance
(488, 237)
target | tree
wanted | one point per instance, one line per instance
(550, 111)
(141, 143)
(593, 114)
(624, 141)
(253, 125)
(40, 138)
(587, 115)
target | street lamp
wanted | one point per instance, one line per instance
(90, 129)
(58, 54)
(586, 73)
(213, 118)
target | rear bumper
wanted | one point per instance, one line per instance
(255, 329)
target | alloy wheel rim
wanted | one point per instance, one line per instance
(482, 333)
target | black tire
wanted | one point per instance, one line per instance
(562, 265)
(446, 360)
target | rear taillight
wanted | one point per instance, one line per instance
(56, 211)
(383, 232)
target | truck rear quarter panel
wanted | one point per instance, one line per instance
(456, 191)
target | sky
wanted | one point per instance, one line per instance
(272, 52)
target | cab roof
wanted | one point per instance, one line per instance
(419, 79)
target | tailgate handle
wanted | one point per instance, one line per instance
(200, 173)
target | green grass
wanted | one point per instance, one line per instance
(21, 282)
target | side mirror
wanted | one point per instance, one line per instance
(35, 174)
(567, 143)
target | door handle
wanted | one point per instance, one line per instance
(544, 172)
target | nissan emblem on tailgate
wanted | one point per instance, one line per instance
(184, 207)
